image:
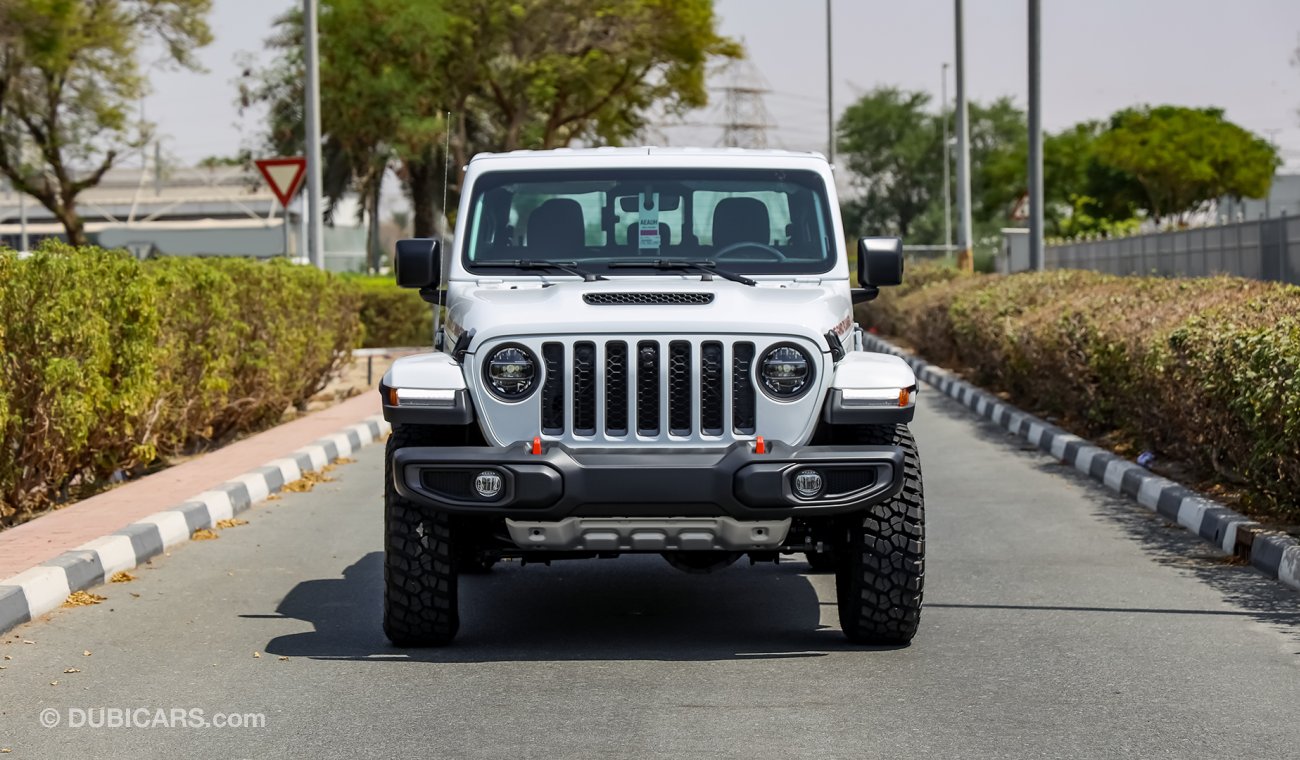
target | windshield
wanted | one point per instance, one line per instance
(606, 220)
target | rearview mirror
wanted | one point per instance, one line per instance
(418, 264)
(667, 202)
(880, 261)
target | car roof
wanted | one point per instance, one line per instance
(742, 154)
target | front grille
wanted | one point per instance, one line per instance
(584, 388)
(648, 299)
(679, 388)
(616, 388)
(711, 388)
(742, 388)
(648, 388)
(553, 389)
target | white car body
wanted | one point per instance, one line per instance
(541, 306)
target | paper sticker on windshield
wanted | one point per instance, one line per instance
(648, 223)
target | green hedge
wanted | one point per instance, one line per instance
(1205, 370)
(392, 316)
(108, 364)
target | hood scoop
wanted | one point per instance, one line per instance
(648, 299)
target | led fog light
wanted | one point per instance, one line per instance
(488, 484)
(808, 483)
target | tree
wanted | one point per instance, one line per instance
(68, 81)
(1080, 194)
(380, 97)
(512, 73)
(893, 145)
(1182, 158)
(894, 148)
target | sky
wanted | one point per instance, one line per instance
(1098, 56)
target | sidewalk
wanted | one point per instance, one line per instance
(54, 533)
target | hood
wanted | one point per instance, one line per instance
(634, 306)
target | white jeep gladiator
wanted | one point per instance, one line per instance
(650, 351)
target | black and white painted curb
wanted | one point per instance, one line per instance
(43, 588)
(1275, 554)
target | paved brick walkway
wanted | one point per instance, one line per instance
(48, 536)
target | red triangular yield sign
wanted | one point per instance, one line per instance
(284, 175)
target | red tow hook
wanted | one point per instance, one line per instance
(760, 445)
(537, 445)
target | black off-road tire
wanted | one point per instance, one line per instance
(420, 577)
(881, 572)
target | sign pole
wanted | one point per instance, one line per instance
(965, 261)
(284, 176)
(1035, 136)
(315, 241)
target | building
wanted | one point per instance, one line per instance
(193, 211)
(1283, 199)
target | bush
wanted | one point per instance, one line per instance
(107, 363)
(1203, 370)
(392, 316)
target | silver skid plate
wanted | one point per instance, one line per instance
(649, 534)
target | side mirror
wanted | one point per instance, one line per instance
(417, 263)
(880, 261)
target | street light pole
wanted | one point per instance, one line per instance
(947, 157)
(315, 241)
(1035, 137)
(830, 92)
(965, 260)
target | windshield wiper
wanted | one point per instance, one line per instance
(571, 267)
(706, 266)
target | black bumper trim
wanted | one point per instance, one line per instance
(650, 482)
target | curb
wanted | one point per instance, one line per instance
(40, 589)
(1275, 554)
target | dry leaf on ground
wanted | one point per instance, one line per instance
(309, 480)
(345, 460)
(72, 670)
(81, 599)
(203, 534)
(121, 576)
(231, 522)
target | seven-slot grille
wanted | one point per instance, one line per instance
(648, 388)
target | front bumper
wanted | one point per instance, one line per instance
(735, 481)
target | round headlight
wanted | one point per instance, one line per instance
(510, 372)
(786, 372)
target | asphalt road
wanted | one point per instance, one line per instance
(1059, 622)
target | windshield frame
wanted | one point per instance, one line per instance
(812, 180)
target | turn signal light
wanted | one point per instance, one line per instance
(904, 396)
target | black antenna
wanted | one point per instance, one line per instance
(446, 170)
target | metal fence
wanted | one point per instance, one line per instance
(1265, 249)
